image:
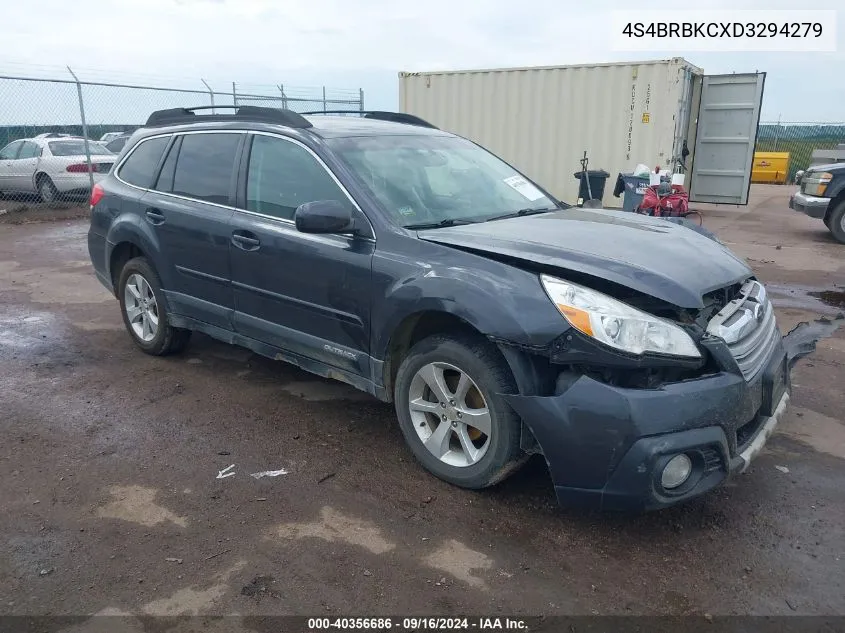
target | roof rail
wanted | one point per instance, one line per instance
(381, 115)
(173, 116)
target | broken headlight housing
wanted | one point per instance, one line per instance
(615, 323)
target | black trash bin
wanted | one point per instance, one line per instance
(597, 177)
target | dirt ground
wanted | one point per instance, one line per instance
(109, 463)
(27, 209)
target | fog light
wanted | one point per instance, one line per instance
(676, 471)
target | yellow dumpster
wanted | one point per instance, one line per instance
(770, 167)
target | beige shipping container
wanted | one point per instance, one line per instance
(542, 119)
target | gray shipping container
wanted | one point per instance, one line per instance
(542, 119)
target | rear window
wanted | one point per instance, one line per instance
(76, 148)
(140, 167)
(205, 166)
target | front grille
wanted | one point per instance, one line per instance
(752, 351)
(747, 324)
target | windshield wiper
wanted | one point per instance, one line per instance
(521, 212)
(437, 225)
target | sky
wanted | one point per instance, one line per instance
(355, 44)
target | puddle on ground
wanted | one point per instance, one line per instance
(835, 298)
(456, 559)
(801, 340)
(334, 526)
(137, 505)
(827, 301)
(30, 331)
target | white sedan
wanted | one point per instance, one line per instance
(51, 165)
(110, 136)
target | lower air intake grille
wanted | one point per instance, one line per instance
(712, 459)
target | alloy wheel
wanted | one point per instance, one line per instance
(450, 414)
(141, 307)
(47, 191)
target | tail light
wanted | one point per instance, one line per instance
(81, 168)
(97, 194)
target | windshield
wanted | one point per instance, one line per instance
(75, 148)
(438, 179)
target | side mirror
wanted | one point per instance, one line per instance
(324, 216)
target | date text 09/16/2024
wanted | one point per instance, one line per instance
(417, 624)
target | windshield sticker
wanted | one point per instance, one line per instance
(522, 186)
(406, 211)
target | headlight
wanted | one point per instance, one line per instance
(615, 323)
(815, 183)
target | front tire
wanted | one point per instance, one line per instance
(836, 222)
(144, 311)
(454, 421)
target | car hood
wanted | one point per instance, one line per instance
(828, 167)
(650, 255)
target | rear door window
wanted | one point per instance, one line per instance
(206, 165)
(139, 169)
(29, 150)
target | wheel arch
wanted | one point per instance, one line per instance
(424, 323)
(413, 328)
(834, 204)
(120, 255)
(127, 238)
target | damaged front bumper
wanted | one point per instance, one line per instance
(606, 446)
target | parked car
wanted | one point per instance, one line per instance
(110, 136)
(116, 144)
(822, 195)
(51, 166)
(640, 357)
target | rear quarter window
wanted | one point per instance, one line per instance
(140, 167)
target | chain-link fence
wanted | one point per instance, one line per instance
(806, 143)
(30, 107)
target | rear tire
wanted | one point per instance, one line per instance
(47, 190)
(144, 310)
(836, 222)
(438, 423)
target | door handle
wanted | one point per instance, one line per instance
(245, 241)
(155, 217)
